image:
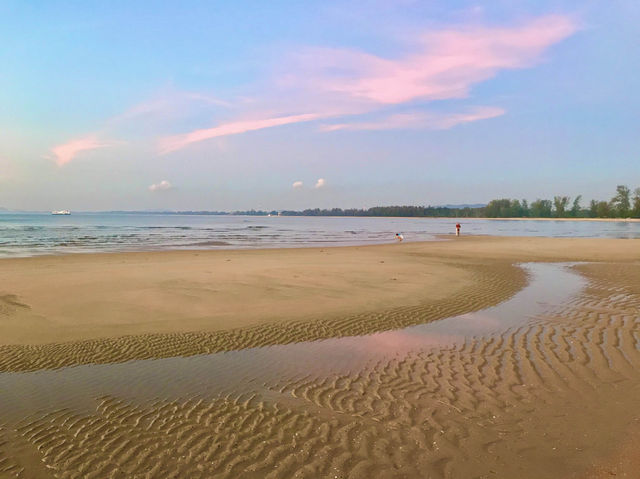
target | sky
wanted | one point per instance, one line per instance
(207, 105)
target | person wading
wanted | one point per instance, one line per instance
(457, 229)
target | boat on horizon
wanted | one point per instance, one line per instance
(61, 212)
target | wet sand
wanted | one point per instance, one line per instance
(87, 296)
(546, 384)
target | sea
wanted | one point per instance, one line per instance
(31, 234)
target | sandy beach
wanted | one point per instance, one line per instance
(553, 394)
(87, 296)
(234, 243)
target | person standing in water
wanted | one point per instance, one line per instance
(399, 237)
(457, 229)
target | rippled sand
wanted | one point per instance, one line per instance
(544, 385)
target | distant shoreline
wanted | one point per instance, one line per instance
(457, 218)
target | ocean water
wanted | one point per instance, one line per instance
(30, 234)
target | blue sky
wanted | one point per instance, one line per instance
(238, 105)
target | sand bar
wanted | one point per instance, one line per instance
(74, 297)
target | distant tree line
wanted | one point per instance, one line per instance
(622, 205)
(413, 211)
(405, 211)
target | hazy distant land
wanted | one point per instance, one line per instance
(622, 206)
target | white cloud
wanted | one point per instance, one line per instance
(297, 185)
(163, 185)
(320, 183)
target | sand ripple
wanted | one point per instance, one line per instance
(545, 399)
(492, 284)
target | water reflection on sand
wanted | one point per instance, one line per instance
(243, 371)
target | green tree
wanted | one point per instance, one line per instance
(560, 205)
(636, 203)
(593, 209)
(515, 211)
(498, 208)
(525, 208)
(603, 210)
(621, 203)
(541, 208)
(575, 209)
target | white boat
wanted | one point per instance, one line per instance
(61, 212)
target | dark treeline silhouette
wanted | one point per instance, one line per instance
(413, 211)
(406, 211)
(625, 204)
(622, 205)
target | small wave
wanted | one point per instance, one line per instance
(209, 243)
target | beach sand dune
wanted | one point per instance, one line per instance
(554, 395)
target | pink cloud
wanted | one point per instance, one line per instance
(67, 152)
(450, 120)
(430, 121)
(177, 142)
(170, 104)
(446, 64)
(336, 82)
